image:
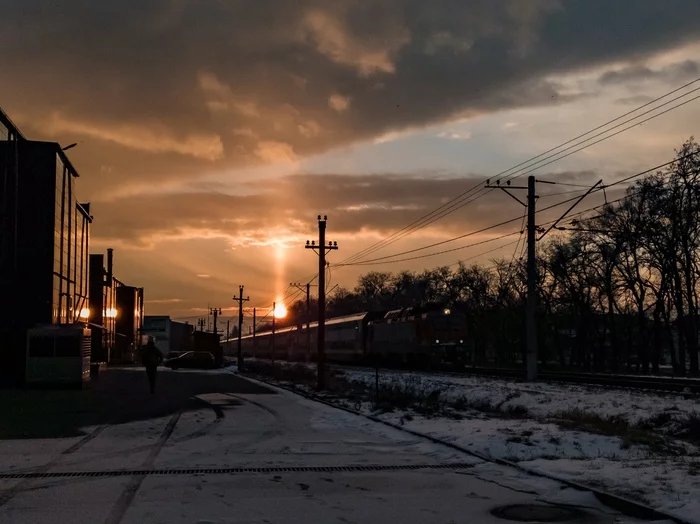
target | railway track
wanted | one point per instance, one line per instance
(652, 383)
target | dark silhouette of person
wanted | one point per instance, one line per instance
(151, 356)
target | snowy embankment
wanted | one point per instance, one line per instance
(640, 445)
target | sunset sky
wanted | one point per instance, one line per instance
(213, 132)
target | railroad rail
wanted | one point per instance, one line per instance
(653, 383)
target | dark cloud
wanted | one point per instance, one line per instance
(673, 73)
(170, 88)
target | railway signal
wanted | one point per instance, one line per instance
(321, 249)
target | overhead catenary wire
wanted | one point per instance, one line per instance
(514, 219)
(635, 124)
(440, 252)
(524, 244)
(385, 259)
(520, 238)
(459, 201)
(492, 250)
(534, 167)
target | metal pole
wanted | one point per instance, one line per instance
(240, 326)
(531, 357)
(215, 312)
(321, 348)
(255, 342)
(308, 322)
(322, 248)
(272, 338)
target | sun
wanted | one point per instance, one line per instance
(280, 311)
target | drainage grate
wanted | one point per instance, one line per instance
(230, 471)
(536, 513)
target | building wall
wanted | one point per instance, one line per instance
(129, 323)
(103, 309)
(158, 326)
(181, 338)
(9, 175)
(44, 260)
(100, 352)
(169, 335)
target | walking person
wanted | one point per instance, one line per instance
(151, 356)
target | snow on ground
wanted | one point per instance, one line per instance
(663, 474)
(665, 482)
(531, 424)
(665, 412)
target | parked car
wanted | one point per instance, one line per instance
(192, 360)
(173, 354)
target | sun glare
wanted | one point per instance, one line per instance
(280, 311)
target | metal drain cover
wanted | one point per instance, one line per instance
(536, 513)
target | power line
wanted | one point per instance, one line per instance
(564, 192)
(472, 233)
(614, 134)
(439, 252)
(484, 253)
(540, 210)
(459, 201)
(535, 167)
(520, 238)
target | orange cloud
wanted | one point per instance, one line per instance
(338, 102)
(366, 55)
(151, 139)
(273, 152)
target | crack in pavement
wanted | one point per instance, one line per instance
(129, 493)
(25, 484)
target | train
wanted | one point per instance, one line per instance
(428, 335)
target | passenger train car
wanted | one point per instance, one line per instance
(405, 336)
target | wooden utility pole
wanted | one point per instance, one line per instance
(255, 342)
(272, 338)
(321, 249)
(308, 322)
(308, 317)
(531, 357)
(216, 312)
(240, 301)
(531, 310)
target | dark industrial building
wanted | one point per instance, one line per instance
(169, 336)
(211, 342)
(44, 234)
(116, 314)
(128, 324)
(103, 307)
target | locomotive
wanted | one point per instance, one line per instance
(429, 335)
